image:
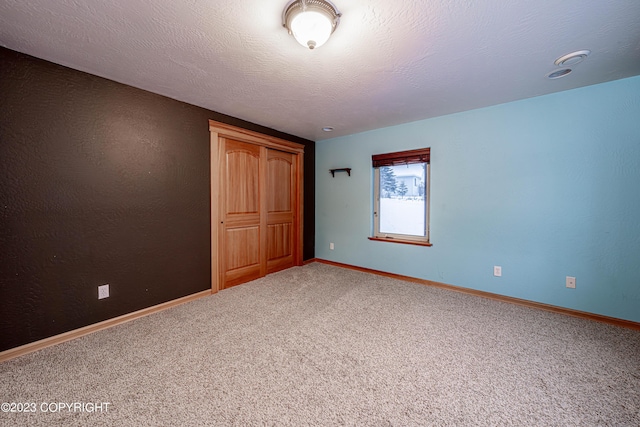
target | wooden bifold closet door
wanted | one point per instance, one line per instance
(256, 205)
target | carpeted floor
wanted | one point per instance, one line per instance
(322, 345)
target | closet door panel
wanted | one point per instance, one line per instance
(281, 199)
(242, 223)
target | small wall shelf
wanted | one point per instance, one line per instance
(333, 171)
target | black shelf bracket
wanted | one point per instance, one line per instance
(333, 171)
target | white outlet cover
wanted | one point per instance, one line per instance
(103, 291)
(571, 282)
(497, 271)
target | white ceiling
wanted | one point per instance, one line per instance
(388, 62)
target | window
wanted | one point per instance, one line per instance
(401, 197)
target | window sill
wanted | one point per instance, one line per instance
(395, 240)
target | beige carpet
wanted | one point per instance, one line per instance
(322, 345)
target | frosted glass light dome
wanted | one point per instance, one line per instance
(311, 21)
(311, 29)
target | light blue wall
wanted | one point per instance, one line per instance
(546, 187)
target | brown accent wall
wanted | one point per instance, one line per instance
(101, 183)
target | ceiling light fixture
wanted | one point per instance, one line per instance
(310, 21)
(328, 128)
(572, 58)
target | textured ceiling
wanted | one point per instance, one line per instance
(389, 62)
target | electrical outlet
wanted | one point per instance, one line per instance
(103, 291)
(331, 246)
(571, 282)
(497, 270)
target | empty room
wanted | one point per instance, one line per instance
(313, 212)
